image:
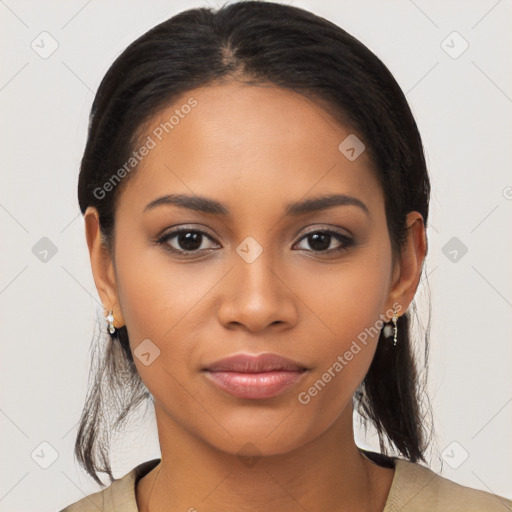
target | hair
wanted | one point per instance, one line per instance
(257, 42)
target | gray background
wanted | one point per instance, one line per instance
(48, 302)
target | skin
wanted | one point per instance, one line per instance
(255, 149)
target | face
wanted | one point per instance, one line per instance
(253, 274)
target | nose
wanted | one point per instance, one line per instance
(257, 296)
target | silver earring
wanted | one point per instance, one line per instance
(388, 328)
(110, 320)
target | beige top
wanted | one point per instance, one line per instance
(415, 488)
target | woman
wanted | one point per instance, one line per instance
(255, 197)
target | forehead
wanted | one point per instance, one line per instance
(263, 141)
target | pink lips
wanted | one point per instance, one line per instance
(254, 377)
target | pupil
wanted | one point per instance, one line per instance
(189, 241)
(319, 241)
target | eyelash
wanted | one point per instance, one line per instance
(346, 241)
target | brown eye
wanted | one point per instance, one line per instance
(185, 240)
(189, 240)
(320, 241)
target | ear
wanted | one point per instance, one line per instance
(102, 266)
(407, 270)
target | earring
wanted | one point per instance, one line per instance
(387, 328)
(110, 320)
(395, 319)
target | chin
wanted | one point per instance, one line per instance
(274, 436)
(255, 446)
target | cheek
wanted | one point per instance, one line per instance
(349, 302)
(157, 310)
(341, 359)
(162, 308)
(157, 296)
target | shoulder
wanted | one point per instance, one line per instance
(119, 495)
(417, 488)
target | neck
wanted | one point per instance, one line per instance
(328, 473)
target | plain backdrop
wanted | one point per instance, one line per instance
(452, 59)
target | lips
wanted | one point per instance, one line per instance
(247, 363)
(254, 377)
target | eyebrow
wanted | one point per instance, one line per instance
(207, 205)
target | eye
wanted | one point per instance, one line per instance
(321, 241)
(185, 240)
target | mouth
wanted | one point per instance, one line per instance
(254, 377)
